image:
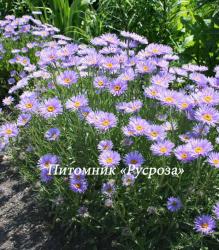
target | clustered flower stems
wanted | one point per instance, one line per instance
(117, 103)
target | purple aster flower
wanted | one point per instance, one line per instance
(200, 130)
(192, 68)
(214, 82)
(92, 60)
(110, 38)
(109, 50)
(9, 130)
(117, 87)
(67, 78)
(171, 57)
(52, 134)
(108, 188)
(68, 50)
(200, 79)
(162, 79)
(205, 224)
(7, 101)
(77, 102)
(134, 159)
(138, 126)
(216, 210)
(128, 179)
(109, 158)
(145, 67)
(208, 115)
(162, 148)
(152, 92)
(78, 182)
(98, 41)
(105, 120)
(23, 119)
(154, 49)
(183, 154)
(51, 107)
(45, 175)
(128, 75)
(174, 204)
(110, 64)
(185, 102)
(11, 81)
(100, 82)
(213, 159)
(78, 186)
(169, 97)
(105, 145)
(48, 56)
(207, 96)
(199, 147)
(129, 107)
(83, 112)
(155, 133)
(28, 104)
(48, 161)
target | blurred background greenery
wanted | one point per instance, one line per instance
(190, 26)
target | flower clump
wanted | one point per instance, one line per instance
(119, 102)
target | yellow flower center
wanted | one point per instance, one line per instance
(153, 93)
(109, 65)
(67, 80)
(50, 108)
(204, 225)
(100, 83)
(47, 164)
(139, 128)
(184, 105)
(155, 50)
(198, 150)
(208, 98)
(29, 105)
(77, 104)
(109, 160)
(77, 185)
(216, 161)
(133, 162)
(117, 88)
(163, 149)
(105, 123)
(169, 99)
(154, 134)
(184, 156)
(8, 131)
(207, 117)
(145, 68)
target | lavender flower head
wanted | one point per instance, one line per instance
(52, 134)
(174, 204)
(205, 224)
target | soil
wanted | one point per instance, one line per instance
(22, 222)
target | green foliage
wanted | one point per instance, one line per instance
(77, 19)
(190, 26)
(13, 7)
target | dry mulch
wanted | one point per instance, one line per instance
(22, 222)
